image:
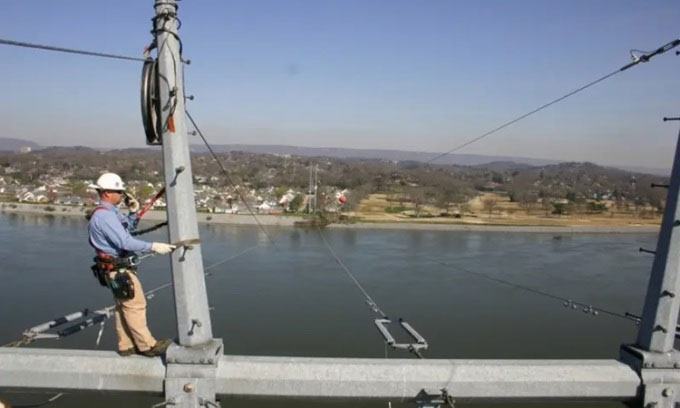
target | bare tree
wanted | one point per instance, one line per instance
(489, 204)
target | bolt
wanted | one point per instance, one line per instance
(651, 405)
(202, 361)
(676, 365)
(667, 392)
(188, 388)
(211, 361)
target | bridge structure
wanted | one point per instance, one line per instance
(195, 372)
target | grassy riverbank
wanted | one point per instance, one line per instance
(549, 225)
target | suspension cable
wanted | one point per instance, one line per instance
(70, 50)
(566, 302)
(229, 178)
(369, 300)
(100, 315)
(39, 404)
(637, 59)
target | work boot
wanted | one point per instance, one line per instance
(126, 352)
(158, 349)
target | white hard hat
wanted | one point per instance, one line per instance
(109, 181)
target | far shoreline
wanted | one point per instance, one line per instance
(289, 221)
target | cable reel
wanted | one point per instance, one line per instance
(150, 103)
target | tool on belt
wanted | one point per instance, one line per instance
(114, 272)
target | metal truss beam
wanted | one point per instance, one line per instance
(342, 378)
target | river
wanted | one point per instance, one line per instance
(294, 300)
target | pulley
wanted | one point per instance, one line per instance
(150, 103)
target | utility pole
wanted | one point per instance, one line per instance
(654, 356)
(316, 188)
(310, 190)
(191, 366)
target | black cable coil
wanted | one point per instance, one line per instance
(150, 99)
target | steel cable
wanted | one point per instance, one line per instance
(229, 178)
(565, 301)
(106, 312)
(369, 300)
(39, 404)
(70, 50)
(639, 59)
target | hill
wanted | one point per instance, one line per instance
(14, 145)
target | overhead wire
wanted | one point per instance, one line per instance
(566, 302)
(44, 47)
(39, 404)
(102, 314)
(230, 180)
(636, 60)
(369, 300)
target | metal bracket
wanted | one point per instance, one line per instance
(420, 344)
(203, 354)
(190, 374)
(433, 399)
(660, 375)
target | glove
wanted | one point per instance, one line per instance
(131, 203)
(162, 248)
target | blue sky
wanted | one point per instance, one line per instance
(411, 75)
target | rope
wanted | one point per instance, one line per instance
(69, 50)
(40, 404)
(228, 176)
(19, 343)
(150, 229)
(105, 313)
(636, 61)
(369, 300)
(565, 301)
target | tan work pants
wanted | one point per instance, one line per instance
(130, 316)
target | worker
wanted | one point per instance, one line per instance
(115, 265)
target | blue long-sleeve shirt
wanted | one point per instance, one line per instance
(109, 232)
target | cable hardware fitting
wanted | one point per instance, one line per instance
(655, 185)
(668, 293)
(425, 399)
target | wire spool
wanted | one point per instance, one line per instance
(150, 103)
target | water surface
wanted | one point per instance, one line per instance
(294, 300)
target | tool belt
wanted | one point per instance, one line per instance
(114, 273)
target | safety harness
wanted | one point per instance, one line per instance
(113, 272)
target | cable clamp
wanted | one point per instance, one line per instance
(433, 399)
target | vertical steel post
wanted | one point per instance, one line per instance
(662, 303)
(191, 301)
(191, 367)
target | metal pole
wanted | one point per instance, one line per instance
(662, 303)
(190, 370)
(191, 302)
(316, 188)
(310, 189)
